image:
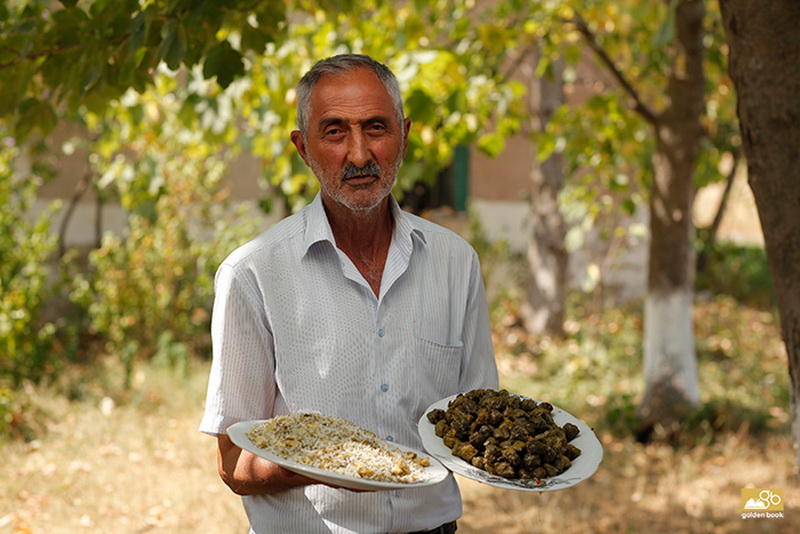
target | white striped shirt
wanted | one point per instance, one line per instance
(297, 328)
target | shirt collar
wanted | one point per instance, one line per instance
(318, 228)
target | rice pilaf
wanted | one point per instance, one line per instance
(337, 445)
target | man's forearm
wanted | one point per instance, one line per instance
(247, 474)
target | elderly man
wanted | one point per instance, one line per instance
(351, 308)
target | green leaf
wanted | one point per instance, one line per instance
(99, 6)
(69, 26)
(35, 114)
(68, 3)
(629, 206)
(254, 39)
(138, 32)
(172, 48)
(421, 107)
(265, 204)
(223, 62)
(492, 144)
(666, 31)
(545, 146)
(91, 78)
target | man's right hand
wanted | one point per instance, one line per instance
(247, 474)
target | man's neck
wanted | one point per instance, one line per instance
(364, 236)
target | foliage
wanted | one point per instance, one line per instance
(494, 255)
(606, 138)
(739, 271)
(111, 46)
(25, 245)
(149, 292)
(452, 57)
(457, 92)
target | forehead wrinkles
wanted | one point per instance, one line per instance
(353, 114)
(352, 96)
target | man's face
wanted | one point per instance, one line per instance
(354, 143)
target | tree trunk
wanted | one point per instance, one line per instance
(670, 362)
(765, 69)
(543, 309)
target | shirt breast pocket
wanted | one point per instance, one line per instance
(438, 367)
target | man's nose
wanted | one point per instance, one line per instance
(358, 151)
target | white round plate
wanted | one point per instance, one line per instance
(238, 433)
(582, 467)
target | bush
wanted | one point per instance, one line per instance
(149, 292)
(740, 271)
(25, 246)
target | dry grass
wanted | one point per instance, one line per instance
(138, 467)
(649, 489)
(141, 466)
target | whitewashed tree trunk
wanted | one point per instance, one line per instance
(670, 361)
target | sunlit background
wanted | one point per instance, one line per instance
(141, 142)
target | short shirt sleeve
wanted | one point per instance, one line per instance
(241, 382)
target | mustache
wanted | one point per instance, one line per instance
(370, 169)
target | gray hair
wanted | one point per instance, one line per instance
(337, 65)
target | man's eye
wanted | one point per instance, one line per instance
(376, 127)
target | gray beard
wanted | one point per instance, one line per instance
(350, 170)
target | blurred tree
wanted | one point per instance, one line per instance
(72, 55)
(658, 56)
(546, 284)
(669, 352)
(148, 292)
(765, 67)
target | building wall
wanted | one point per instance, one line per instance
(505, 178)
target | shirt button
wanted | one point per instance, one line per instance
(384, 387)
(381, 332)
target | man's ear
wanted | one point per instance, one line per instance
(299, 143)
(406, 129)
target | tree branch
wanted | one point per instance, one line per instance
(723, 203)
(80, 189)
(40, 53)
(512, 68)
(709, 234)
(591, 39)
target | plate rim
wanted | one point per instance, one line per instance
(462, 468)
(237, 432)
